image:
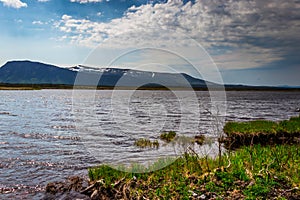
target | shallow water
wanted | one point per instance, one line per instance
(48, 135)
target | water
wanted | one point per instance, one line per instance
(48, 135)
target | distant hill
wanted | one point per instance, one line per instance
(27, 72)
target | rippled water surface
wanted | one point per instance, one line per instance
(48, 135)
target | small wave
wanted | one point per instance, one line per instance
(143, 116)
(102, 113)
(37, 163)
(114, 135)
(138, 102)
(118, 142)
(7, 113)
(4, 142)
(173, 115)
(251, 118)
(121, 143)
(45, 136)
(63, 120)
(20, 187)
(64, 127)
(4, 113)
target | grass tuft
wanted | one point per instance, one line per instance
(168, 136)
(144, 143)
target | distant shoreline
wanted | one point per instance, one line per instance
(62, 86)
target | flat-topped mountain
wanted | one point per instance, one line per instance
(27, 72)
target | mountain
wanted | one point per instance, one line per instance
(27, 72)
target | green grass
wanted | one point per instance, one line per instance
(253, 172)
(291, 126)
(252, 127)
(263, 132)
(256, 171)
(263, 127)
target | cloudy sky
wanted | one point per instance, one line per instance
(247, 41)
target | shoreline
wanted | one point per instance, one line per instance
(251, 171)
(221, 88)
(248, 173)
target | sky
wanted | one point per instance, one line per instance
(250, 42)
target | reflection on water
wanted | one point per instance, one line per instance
(42, 132)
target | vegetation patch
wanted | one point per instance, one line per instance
(168, 136)
(199, 139)
(251, 172)
(144, 143)
(262, 132)
(255, 172)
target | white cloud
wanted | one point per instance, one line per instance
(240, 28)
(37, 22)
(86, 1)
(13, 3)
(43, 0)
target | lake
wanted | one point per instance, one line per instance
(48, 135)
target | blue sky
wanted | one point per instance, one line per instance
(242, 41)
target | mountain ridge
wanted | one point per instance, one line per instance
(30, 72)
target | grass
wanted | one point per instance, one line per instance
(291, 126)
(250, 128)
(264, 169)
(263, 132)
(144, 143)
(168, 136)
(254, 172)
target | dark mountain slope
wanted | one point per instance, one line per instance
(27, 72)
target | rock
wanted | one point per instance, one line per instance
(69, 189)
(202, 196)
(66, 196)
(74, 195)
(75, 183)
(55, 187)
